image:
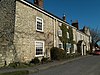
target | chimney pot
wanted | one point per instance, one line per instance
(38, 3)
(64, 17)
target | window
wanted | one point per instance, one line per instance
(59, 32)
(67, 35)
(68, 46)
(39, 24)
(59, 23)
(39, 48)
(68, 50)
(67, 27)
(61, 45)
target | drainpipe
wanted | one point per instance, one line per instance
(54, 33)
(85, 49)
(82, 50)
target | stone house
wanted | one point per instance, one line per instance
(82, 38)
(28, 31)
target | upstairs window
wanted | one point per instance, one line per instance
(59, 23)
(67, 27)
(67, 34)
(39, 24)
(59, 33)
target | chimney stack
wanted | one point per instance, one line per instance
(75, 24)
(64, 18)
(38, 3)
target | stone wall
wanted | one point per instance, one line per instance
(7, 21)
(26, 34)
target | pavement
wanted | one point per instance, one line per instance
(42, 66)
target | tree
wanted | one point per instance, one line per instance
(95, 34)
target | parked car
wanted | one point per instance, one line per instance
(96, 52)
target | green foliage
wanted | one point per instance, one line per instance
(24, 72)
(71, 35)
(64, 38)
(89, 52)
(35, 61)
(44, 60)
(64, 33)
(18, 65)
(57, 54)
(14, 64)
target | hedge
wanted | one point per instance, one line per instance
(57, 54)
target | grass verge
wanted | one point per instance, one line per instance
(24, 72)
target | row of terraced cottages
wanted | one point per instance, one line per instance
(28, 31)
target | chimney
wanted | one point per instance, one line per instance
(75, 24)
(64, 18)
(38, 3)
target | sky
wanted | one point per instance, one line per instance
(87, 12)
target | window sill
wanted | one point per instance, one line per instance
(39, 55)
(41, 31)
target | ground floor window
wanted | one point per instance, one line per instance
(60, 45)
(39, 48)
(68, 50)
(68, 47)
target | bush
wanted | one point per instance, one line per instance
(14, 64)
(18, 65)
(89, 52)
(44, 60)
(35, 61)
(57, 54)
(68, 56)
(24, 72)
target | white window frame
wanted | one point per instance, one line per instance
(68, 35)
(68, 49)
(35, 48)
(37, 19)
(60, 33)
(61, 45)
(59, 23)
(67, 27)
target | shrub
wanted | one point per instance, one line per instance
(68, 56)
(57, 54)
(35, 60)
(89, 52)
(14, 64)
(18, 65)
(44, 60)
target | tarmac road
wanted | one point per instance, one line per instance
(84, 66)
